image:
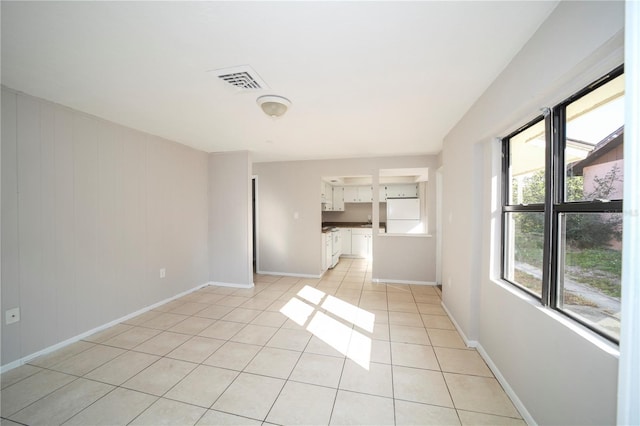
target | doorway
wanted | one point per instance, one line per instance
(439, 226)
(254, 221)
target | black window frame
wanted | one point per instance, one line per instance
(522, 208)
(555, 204)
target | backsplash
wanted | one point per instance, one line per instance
(355, 212)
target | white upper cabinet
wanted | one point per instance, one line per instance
(382, 193)
(402, 190)
(338, 199)
(326, 196)
(358, 194)
(365, 194)
(350, 194)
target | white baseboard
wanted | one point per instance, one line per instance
(288, 274)
(467, 341)
(494, 369)
(234, 285)
(25, 359)
(507, 388)
(384, 280)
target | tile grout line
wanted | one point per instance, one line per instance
(163, 396)
(44, 396)
(346, 286)
(265, 346)
(440, 367)
(393, 388)
(344, 363)
(249, 362)
(188, 374)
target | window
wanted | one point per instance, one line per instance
(562, 206)
(523, 217)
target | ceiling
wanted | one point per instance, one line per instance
(364, 78)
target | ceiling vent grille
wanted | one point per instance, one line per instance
(242, 78)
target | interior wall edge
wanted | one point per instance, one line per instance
(468, 342)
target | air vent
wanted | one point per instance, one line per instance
(243, 78)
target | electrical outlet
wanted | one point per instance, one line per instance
(12, 315)
(163, 272)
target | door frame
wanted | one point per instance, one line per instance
(255, 220)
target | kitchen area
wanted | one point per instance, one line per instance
(347, 206)
(298, 199)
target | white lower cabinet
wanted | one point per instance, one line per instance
(361, 242)
(324, 251)
(345, 234)
(356, 242)
(328, 250)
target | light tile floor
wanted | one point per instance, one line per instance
(339, 350)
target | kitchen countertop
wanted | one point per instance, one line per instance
(326, 226)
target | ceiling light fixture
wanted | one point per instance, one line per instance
(273, 105)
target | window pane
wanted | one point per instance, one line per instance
(589, 268)
(526, 170)
(594, 144)
(523, 250)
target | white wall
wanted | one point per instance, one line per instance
(557, 373)
(408, 259)
(230, 221)
(286, 188)
(90, 212)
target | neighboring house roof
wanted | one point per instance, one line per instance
(607, 144)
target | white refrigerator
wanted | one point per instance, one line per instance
(403, 216)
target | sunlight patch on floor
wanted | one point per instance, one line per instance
(348, 312)
(298, 311)
(340, 336)
(359, 349)
(311, 294)
(332, 332)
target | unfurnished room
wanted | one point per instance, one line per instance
(320, 213)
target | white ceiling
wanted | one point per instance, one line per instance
(365, 78)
